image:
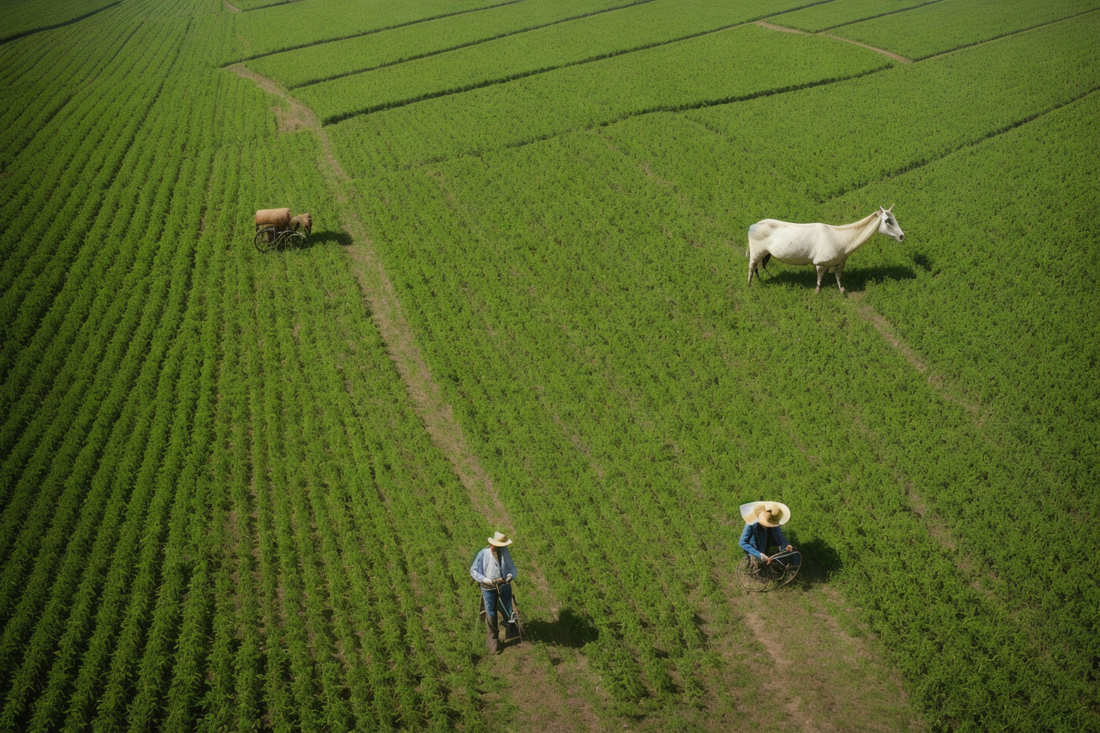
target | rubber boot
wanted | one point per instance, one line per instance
(494, 631)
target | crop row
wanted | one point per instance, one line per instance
(564, 44)
(353, 55)
(941, 27)
(696, 72)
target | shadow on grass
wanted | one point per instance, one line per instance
(820, 563)
(570, 630)
(338, 236)
(854, 279)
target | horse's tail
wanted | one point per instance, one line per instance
(749, 244)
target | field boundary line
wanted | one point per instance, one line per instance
(360, 34)
(880, 15)
(334, 119)
(959, 148)
(648, 111)
(796, 31)
(883, 51)
(1007, 35)
(231, 7)
(470, 44)
(32, 31)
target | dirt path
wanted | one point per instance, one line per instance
(230, 7)
(546, 695)
(894, 56)
(886, 330)
(826, 676)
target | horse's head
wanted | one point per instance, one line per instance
(888, 225)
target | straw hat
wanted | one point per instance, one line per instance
(499, 539)
(768, 513)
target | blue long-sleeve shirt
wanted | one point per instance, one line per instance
(754, 539)
(487, 568)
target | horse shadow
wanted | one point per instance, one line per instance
(853, 280)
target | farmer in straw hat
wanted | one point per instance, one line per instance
(762, 520)
(493, 570)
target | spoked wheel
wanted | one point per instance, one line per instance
(264, 239)
(752, 577)
(289, 238)
(791, 564)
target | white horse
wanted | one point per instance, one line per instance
(821, 245)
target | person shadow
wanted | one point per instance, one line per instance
(820, 562)
(569, 630)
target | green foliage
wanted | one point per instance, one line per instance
(675, 76)
(289, 25)
(219, 509)
(325, 61)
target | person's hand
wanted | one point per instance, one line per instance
(509, 578)
(765, 558)
(790, 547)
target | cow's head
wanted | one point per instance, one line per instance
(888, 225)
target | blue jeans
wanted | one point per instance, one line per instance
(490, 598)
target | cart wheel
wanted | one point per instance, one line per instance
(289, 238)
(791, 569)
(752, 578)
(264, 239)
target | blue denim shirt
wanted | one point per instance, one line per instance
(486, 568)
(754, 538)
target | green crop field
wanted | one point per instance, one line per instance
(242, 490)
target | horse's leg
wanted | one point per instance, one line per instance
(839, 269)
(820, 274)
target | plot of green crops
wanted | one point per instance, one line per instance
(736, 63)
(339, 58)
(951, 24)
(590, 324)
(585, 39)
(822, 16)
(765, 155)
(298, 24)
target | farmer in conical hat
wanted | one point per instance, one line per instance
(762, 520)
(494, 571)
